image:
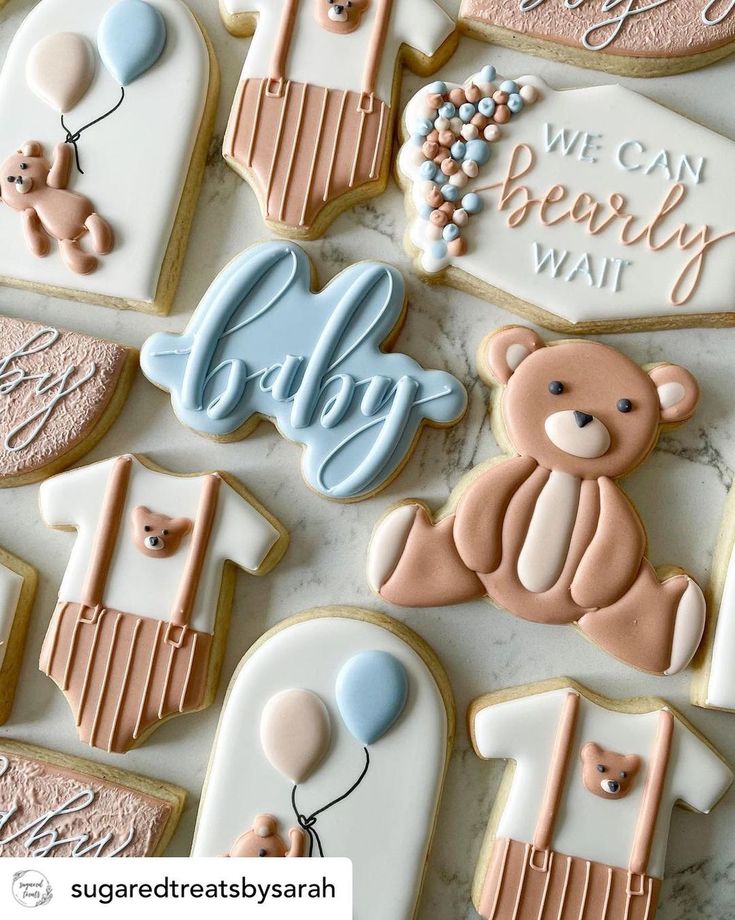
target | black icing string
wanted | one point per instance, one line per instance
(73, 138)
(308, 823)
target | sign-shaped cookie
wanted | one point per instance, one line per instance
(17, 589)
(649, 38)
(587, 209)
(138, 632)
(582, 826)
(313, 116)
(106, 111)
(336, 722)
(53, 805)
(262, 344)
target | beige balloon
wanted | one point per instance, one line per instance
(295, 733)
(60, 68)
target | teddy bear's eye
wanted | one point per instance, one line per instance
(262, 852)
(601, 768)
(624, 405)
(24, 166)
(623, 774)
(11, 178)
(147, 528)
(164, 533)
(556, 388)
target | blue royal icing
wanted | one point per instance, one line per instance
(262, 343)
(371, 690)
(131, 38)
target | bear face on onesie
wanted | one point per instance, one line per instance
(607, 774)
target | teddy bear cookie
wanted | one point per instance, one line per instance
(17, 590)
(106, 111)
(313, 117)
(591, 209)
(263, 344)
(137, 636)
(580, 825)
(545, 531)
(54, 805)
(319, 734)
(650, 39)
(59, 393)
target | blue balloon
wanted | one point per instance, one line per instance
(372, 689)
(131, 38)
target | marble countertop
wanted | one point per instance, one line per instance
(680, 492)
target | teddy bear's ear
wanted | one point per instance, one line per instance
(590, 751)
(503, 351)
(141, 513)
(180, 525)
(632, 764)
(31, 149)
(678, 393)
(265, 825)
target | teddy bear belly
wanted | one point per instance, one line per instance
(64, 218)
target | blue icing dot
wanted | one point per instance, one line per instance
(450, 192)
(472, 203)
(428, 170)
(478, 150)
(509, 86)
(438, 249)
(438, 86)
(486, 107)
(425, 211)
(424, 126)
(466, 111)
(450, 232)
(487, 74)
(515, 103)
(458, 150)
(448, 110)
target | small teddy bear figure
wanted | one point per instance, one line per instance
(263, 840)
(606, 773)
(342, 16)
(37, 188)
(158, 535)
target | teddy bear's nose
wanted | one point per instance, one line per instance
(613, 786)
(262, 852)
(154, 542)
(582, 418)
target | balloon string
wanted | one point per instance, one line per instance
(308, 823)
(73, 138)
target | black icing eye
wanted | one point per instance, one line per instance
(623, 774)
(11, 178)
(624, 405)
(556, 388)
(262, 852)
(164, 533)
(24, 166)
(601, 768)
(147, 528)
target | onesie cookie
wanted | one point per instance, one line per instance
(545, 531)
(263, 344)
(59, 393)
(137, 636)
(312, 122)
(17, 590)
(316, 753)
(56, 805)
(106, 111)
(580, 825)
(649, 39)
(583, 210)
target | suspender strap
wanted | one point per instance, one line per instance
(108, 527)
(555, 782)
(183, 607)
(375, 54)
(652, 793)
(281, 48)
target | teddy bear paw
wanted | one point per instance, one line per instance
(387, 544)
(688, 627)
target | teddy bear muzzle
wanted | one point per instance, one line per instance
(22, 186)
(338, 12)
(578, 433)
(610, 786)
(158, 544)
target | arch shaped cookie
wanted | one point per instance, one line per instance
(17, 589)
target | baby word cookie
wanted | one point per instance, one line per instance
(262, 344)
(590, 209)
(106, 111)
(17, 590)
(53, 805)
(581, 822)
(138, 632)
(650, 38)
(337, 725)
(312, 122)
(59, 393)
(545, 531)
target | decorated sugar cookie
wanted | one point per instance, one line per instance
(312, 120)
(55, 805)
(316, 753)
(17, 590)
(138, 632)
(647, 39)
(106, 110)
(59, 393)
(580, 826)
(262, 344)
(583, 210)
(545, 531)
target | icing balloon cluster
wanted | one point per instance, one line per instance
(452, 140)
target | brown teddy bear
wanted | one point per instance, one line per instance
(606, 773)
(158, 535)
(37, 188)
(263, 840)
(547, 533)
(342, 17)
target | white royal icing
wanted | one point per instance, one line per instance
(720, 692)
(135, 162)
(10, 586)
(397, 801)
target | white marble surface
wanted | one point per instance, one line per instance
(680, 492)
